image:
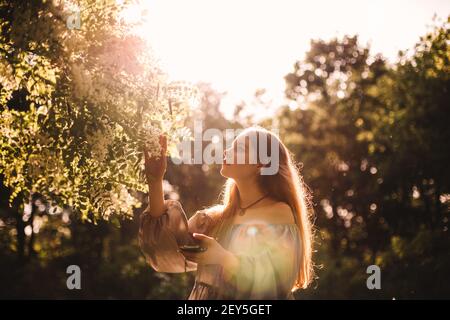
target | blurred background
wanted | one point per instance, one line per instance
(360, 94)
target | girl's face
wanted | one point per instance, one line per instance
(236, 163)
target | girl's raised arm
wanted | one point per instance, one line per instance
(155, 169)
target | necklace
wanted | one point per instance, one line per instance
(242, 212)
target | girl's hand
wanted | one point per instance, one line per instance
(214, 254)
(155, 168)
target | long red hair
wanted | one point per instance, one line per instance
(285, 186)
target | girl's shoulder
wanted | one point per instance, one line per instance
(277, 213)
(213, 212)
(274, 213)
(202, 221)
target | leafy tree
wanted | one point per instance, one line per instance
(373, 139)
(77, 106)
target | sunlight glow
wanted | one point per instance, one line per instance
(240, 46)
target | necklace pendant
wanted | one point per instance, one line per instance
(243, 209)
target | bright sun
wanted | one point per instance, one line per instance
(240, 46)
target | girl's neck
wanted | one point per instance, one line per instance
(249, 191)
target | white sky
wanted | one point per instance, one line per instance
(242, 45)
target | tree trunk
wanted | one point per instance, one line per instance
(20, 228)
(31, 251)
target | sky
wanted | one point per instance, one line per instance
(242, 45)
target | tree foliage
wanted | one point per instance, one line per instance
(374, 139)
(77, 106)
